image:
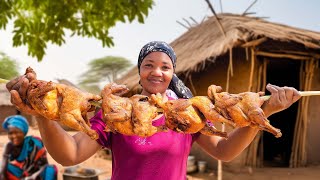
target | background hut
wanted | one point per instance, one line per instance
(254, 52)
(7, 109)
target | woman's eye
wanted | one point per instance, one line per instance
(148, 65)
(165, 67)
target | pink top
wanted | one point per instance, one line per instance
(161, 156)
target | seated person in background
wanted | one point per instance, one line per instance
(24, 157)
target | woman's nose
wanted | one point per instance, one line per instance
(157, 72)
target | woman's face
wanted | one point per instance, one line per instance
(156, 72)
(16, 136)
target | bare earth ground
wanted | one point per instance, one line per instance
(102, 162)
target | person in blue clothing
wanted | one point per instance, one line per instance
(24, 157)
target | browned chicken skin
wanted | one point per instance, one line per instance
(129, 116)
(244, 108)
(143, 112)
(134, 115)
(182, 116)
(64, 103)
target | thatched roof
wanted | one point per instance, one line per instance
(4, 96)
(206, 41)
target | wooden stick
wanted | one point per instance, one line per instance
(302, 93)
(275, 55)
(3, 81)
(255, 42)
(217, 18)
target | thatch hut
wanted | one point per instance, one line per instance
(250, 53)
(6, 107)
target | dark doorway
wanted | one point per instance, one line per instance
(277, 151)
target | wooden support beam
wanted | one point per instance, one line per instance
(276, 55)
(317, 56)
(255, 42)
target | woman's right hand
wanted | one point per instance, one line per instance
(18, 89)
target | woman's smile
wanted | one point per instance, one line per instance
(155, 81)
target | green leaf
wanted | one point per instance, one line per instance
(49, 20)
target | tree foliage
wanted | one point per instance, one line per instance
(8, 67)
(108, 68)
(38, 22)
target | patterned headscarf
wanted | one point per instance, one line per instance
(16, 121)
(176, 85)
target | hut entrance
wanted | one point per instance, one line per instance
(277, 151)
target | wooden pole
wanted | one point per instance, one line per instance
(192, 86)
(251, 69)
(277, 55)
(216, 16)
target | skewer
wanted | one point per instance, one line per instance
(265, 98)
(302, 93)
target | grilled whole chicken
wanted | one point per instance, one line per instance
(128, 116)
(62, 103)
(182, 116)
(243, 108)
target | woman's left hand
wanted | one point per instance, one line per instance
(281, 98)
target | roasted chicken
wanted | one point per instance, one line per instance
(182, 115)
(244, 108)
(129, 116)
(63, 103)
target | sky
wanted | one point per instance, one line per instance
(70, 60)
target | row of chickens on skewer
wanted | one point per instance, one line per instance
(133, 115)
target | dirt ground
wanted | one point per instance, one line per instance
(101, 161)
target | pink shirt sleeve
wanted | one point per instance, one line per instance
(98, 125)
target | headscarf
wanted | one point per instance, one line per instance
(16, 121)
(176, 85)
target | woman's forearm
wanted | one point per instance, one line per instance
(238, 140)
(66, 149)
(228, 149)
(60, 144)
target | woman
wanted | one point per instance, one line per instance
(161, 156)
(24, 156)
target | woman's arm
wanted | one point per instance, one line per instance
(66, 149)
(240, 138)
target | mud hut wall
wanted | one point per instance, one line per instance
(313, 143)
(6, 110)
(216, 74)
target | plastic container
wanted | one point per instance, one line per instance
(202, 166)
(191, 161)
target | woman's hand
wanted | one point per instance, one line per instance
(281, 98)
(18, 89)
